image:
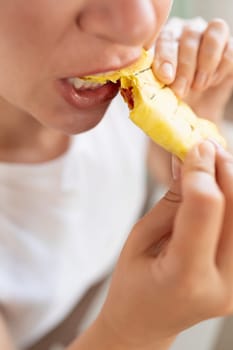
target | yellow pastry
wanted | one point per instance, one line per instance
(157, 111)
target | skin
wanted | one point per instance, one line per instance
(192, 48)
(178, 257)
(32, 61)
(160, 272)
(200, 57)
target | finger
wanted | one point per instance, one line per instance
(197, 23)
(167, 47)
(175, 25)
(199, 218)
(225, 180)
(211, 51)
(157, 223)
(187, 62)
(226, 66)
(166, 53)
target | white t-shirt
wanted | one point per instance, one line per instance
(63, 222)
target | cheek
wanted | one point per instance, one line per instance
(16, 78)
(22, 68)
(17, 65)
(162, 9)
(26, 44)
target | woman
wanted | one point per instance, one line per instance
(66, 204)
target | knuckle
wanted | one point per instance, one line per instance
(197, 24)
(175, 25)
(191, 33)
(200, 22)
(212, 42)
(215, 35)
(191, 44)
(191, 286)
(195, 286)
(184, 67)
(207, 199)
(166, 45)
(166, 35)
(167, 51)
(219, 24)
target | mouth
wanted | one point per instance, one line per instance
(83, 94)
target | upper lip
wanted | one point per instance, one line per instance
(104, 70)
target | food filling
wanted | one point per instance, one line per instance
(127, 95)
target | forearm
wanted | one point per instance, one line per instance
(6, 342)
(95, 338)
(100, 337)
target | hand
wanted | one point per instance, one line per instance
(195, 59)
(176, 268)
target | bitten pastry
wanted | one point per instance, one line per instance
(155, 109)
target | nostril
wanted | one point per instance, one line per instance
(131, 22)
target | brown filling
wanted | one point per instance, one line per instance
(127, 94)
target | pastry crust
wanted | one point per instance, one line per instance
(155, 109)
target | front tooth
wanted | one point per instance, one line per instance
(95, 85)
(79, 83)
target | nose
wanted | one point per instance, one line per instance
(127, 22)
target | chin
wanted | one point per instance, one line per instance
(75, 122)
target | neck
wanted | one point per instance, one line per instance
(24, 139)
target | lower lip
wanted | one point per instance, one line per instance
(90, 98)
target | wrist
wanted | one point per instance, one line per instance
(102, 336)
(110, 338)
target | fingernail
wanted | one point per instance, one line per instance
(207, 149)
(176, 168)
(166, 70)
(218, 146)
(180, 86)
(201, 80)
(215, 143)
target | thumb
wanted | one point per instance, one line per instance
(157, 224)
(199, 218)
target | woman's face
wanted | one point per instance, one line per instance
(45, 43)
